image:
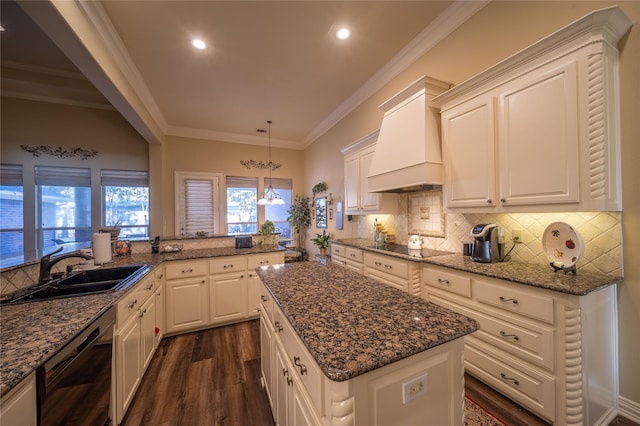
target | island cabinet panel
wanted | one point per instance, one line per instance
(254, 285)
(552, 352)
(349, 257)
(301, 394)
(18, 407)
(187, 301)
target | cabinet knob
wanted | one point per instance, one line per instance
(489, 201)
(503, 200)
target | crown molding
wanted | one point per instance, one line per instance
(455, 15)
(55, 100)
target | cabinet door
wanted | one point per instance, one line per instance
(301, 413)
(254, 286)
(368, 200)
(538, 138)
(352, 183)
(266, 358)
(469, 154)
(282, 387)
(128, 366)
(227, 297)
(147, 331)
(18, 407)
(187, 304)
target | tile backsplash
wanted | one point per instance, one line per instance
(600, 231)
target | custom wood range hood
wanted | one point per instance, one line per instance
(408, 154)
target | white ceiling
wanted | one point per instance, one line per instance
(265, 60)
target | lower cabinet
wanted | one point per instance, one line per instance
(398, 273)
(186, 301)
(18, 407)
(551, 352)
(134, 341)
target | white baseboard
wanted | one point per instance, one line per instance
(629, 409)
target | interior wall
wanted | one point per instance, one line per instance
(195, 155)
(496, 32)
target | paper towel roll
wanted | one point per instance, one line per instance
(101, 245)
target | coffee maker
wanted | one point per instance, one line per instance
(487, 246)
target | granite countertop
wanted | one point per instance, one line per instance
(533, 274)
(30, 333)
(352, 324)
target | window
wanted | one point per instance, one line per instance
(11, 218)
(64, 207)
(197, 202)
(125, 201)
(242, 205)
(278, 213)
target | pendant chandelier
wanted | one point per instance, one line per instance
(271, 197)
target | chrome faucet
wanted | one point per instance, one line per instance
(46, 263)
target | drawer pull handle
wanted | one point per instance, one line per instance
(149, 287)
(352, 255)
(442, 281)
(227, 266)
(504, 377)
(514, 301)
(285, 372)
(506, 335)
(277, 326)
(187, 271)
(378, 263)
(264, 262)
(132, 304)
(302, 367)
(388, 266)
(142, 312)
(264, 298)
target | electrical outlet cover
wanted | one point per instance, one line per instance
(414, 388)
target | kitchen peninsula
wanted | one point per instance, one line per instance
(341, 348)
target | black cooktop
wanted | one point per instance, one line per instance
(404, 250)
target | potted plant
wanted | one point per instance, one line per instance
(266, 233)
(322, 241)
(319, 188)
(300, 219)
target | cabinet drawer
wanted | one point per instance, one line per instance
(176, 270)
(337, 250)
(133, 299)
(447, 281)
(353, 254)
(532, 389)
(507, 298)
(228, 264)
(354, 266)
(387, 264)
(265, 259)
(266, 301)
(301, 360)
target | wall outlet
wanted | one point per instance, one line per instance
(414, 388)
(517, 235)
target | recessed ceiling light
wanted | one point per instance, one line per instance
(343, 33)
(198, 44)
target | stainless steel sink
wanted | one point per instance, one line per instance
(83, 283)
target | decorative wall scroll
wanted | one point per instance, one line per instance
(260, 164)
(59, 152)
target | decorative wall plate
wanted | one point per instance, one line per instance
(563, 245)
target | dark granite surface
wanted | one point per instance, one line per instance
(352, 324)
(532, 274)
(30, 333)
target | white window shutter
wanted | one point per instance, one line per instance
(197, 202)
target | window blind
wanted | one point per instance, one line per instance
(277, 183)
(10, 174)
(242, 182)
(197, 202)
(130, 178)
(63, 176)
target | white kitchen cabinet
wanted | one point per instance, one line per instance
(227, 297)
(18, 406)
(254, 284)
(186, 301)
(398, 273)
(134, 340)
(358, 199)
(159, 305)
(267, 357)
(349, 257)
(539, 132)
(551, 352)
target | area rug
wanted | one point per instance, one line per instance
(475, 415)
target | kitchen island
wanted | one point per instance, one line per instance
(357, 351)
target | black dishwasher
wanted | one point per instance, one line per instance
(74, 386)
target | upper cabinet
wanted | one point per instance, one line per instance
(539, 132)
(358, 199)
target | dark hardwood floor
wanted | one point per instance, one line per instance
(212, 377)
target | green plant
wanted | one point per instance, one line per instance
(319, 187)
(322, 240)
(300, 218)
(267, 228)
